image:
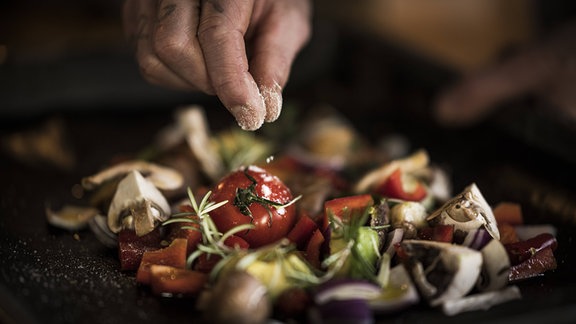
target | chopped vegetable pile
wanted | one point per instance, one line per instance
(327, 228)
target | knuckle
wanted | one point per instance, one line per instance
(150, 67)
(211, 29)
(171, 48)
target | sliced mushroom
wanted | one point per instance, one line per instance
(163, 178)
(137, 205)
(467, 211)
(71, 217)
(441, 271)
(495, 268)
(192, 121)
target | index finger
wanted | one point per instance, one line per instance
(221, 31)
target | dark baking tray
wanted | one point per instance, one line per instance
(48, 275)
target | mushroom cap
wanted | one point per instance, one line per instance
(142, 200)
(162, 177)
(467, 211)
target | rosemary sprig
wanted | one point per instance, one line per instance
(212, 239)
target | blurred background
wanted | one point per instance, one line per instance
(69, 53)
(370, 59)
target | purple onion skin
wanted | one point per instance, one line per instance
(339, 282)
(477, 239)
(346, 311)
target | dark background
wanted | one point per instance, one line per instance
(69, 61)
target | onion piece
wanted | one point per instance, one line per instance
(395, 236)
(399, 294)
(346, 289)
(482, 301)
(71, 217)
(344, 311)
(477, 239)
(495, 267)
(99, 226)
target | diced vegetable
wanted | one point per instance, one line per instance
(346, 207)
(539, 263)
(186, 230)
(302, 231)
(508, 213)
(438, 233)
(131, 247)
(398, 294)
(346, 289)
(477, 239)
(508, 233)
(402, 186)
(495, 267)
(441, 271)
(176, 281)
(314, 249)
(523, 250)
(409, 215)
(345, 311)
(483, 301)
(467, 211)
(174, 255)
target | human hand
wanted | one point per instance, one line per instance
(547, 70)
(239, 50)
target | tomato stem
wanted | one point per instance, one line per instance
(246, 196)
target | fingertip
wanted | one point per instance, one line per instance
(247, 116)
(272, 96)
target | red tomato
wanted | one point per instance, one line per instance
(251, 193)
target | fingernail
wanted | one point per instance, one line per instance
(273, 101)
(247, 118)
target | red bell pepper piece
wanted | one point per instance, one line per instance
(173, 255)
(302, 231)
(132, 247)
(438, 233)
(346, 207)
(314, 248)
(193, 236)
(523, 250)
(536, 265)
(395, 187)
(166, 279)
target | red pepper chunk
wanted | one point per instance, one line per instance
(313, 249)
(346, 207)
(170, 280)
(174, 255)
(520, 251)
(395, 187)
(536, 265)
(301, 233)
